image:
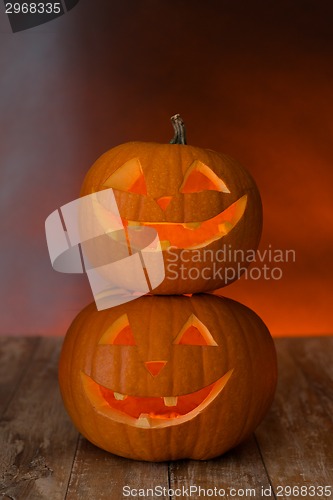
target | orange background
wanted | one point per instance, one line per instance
(251, 79)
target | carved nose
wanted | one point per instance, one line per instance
(154, 367)
(163, 201)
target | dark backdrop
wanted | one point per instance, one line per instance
(253, 79)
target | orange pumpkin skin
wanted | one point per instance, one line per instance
(192, 222)
(224, 383)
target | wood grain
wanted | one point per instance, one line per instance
(98, 474)
(43, 458)
(15, 355)
(37, 440)
(239, 472)
(296, 438)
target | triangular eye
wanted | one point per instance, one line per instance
(129, 177)
(119, 333)
(199, 177)
(194, 332)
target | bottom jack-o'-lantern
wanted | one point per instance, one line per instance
(163, 378)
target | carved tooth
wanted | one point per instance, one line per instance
(192, 225)
(119, 397)
(170, 401)
(165, 244)
(143, 421)
(133, 223)
(225, 227)
(114, 235)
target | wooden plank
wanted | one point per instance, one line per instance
(15, 355)
(239, 473)
(37, 440)
(296, 438)
(97, 474)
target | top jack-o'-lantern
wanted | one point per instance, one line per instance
(200, 202)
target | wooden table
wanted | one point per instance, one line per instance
(43, 457)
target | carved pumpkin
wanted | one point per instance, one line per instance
(166, 378)
(196, 199)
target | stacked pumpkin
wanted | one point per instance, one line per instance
(177, 373)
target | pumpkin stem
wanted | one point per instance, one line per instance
(179, 128)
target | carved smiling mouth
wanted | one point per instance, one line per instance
(151, 412)
(190, 235)
(184, 235)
